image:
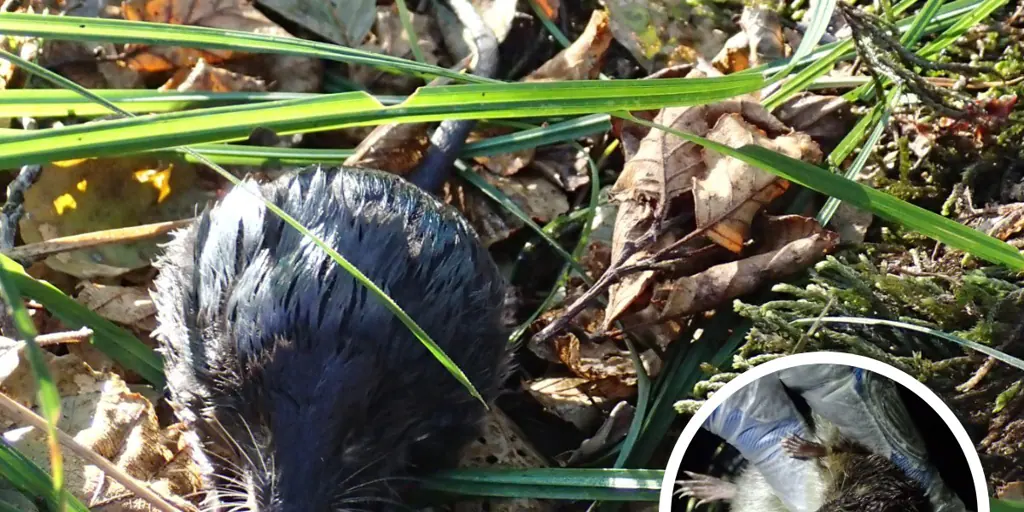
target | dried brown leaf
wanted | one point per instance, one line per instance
(102, 414)
(537, 197)
(582, 59)
(794, 243)
(206, 77)
(732, 190)
(396, 148)
(824, 118)
(284, 72)
(503, 164)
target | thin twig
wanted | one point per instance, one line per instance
(94, 239)
(61, 338)
(25, 415)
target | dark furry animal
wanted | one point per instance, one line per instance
(307, 393)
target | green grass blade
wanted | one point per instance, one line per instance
(112, 340)
(924, 16)
(832, 204)
(46, 389)
(220, 124)
(74, 28)
(1006, 505)
(43, 103)
(640, 485)
(978, 347)
(884, 205)
(549, 25)
(410, 32)
(965, 23)
(821, 16)
(807, 76)
(25, 476)
(225, 154)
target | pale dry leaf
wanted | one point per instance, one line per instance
(102, 414)
(390, 38)
(794, 243)
(284, 72)
(566, 165)
(537, 197)
(1011, 491)
(735, 55)
(851, 223)
(206, 77)
(567, 398)
(490, 224)
(819, 116)
(604, 364)
(582, 59)
(127, 305)
(763, 27)
(502, 444)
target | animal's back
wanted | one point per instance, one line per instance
(318, 385)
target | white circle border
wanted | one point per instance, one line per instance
(790, 361)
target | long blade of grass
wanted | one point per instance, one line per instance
(332, 111)
(43, 103)
(640, 485)
(884, 205)
(832, 204)
(1006, 505)
(31, 480)
(112, 340)
(225, 154)
(821, 17)
(978, 347)
(46, 392)
(74, 28)
(924, 16)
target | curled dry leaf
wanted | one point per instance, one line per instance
(537, 197)
(76, 197)
(731, 192)
(102, 414)
(609, 368)
(582, 59)
(284, 72)
(793, 243)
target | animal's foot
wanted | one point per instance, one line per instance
(800, 448)
(705, 488)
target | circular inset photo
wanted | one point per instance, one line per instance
(827, 432)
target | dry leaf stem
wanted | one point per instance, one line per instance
(620, 269)
(94, 239)
(25, 415)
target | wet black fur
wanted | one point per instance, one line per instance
(323, 391)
